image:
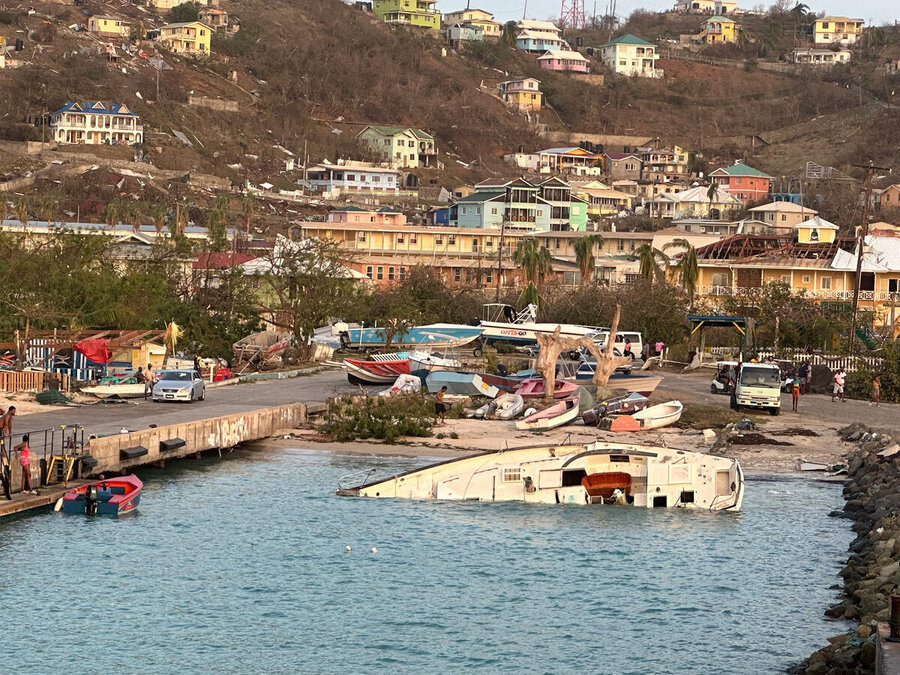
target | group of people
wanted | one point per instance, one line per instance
(801, 377)
(147, 378)
(7, 453)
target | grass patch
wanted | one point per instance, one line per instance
(713, 417)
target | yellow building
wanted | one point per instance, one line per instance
(523, 94)
(782, 214)
(109, 26)
(840, 30)
(420, 13)
(186, 38)
(718, 30)
(602, 200)
(475, 17)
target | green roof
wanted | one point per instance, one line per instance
(629, 39)
(718, 17)
(478, 197)
(742, 170)
(393, 131)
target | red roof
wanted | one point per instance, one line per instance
(218, 261)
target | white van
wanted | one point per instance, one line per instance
(637, 342)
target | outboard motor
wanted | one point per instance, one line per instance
(90, 500)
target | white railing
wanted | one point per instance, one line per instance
(833, 361)
(716, 290)
(820, 294)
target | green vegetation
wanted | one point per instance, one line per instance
(384, 418)
(185, 12)
(712, 417)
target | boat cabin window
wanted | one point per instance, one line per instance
(687, 497)
(572, 477)
(620, 458)
(512, 475)
(660, 502)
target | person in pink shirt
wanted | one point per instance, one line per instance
(25, 461)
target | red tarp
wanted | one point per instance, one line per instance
(93, 349)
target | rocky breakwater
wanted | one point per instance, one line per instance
(872, 572)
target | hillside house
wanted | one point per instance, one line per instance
(191, 37)
(722, 7)
(538, 37)
(2, 52)
(384, 216)
(830, 30)
(664, 164)
(603, 200)
(96, 123)
(349, 177)
(694, 203)
(457, 33)
(402, 147)
(819, 57)
(576, 161)
(622, 166)
(889, 198)
(109, 26)
(217, 19)
(717, 30)
(782, 214)
(490, 29)
(630, 56)
(744, 182)
(523, 94)
(169, 4)
(417, 13)
(562, 60)
(522, 205)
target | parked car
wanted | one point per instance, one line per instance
(180, 385)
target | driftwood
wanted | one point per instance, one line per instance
(551, 346)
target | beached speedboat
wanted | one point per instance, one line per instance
(432, 335)
(502, 323)
(460, 384)
(626, 404)
(504, 407)
(110, 497)
(380, 371)
(654, 417)
(534, 388)
(554, 415)
(596, 473)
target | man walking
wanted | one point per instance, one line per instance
(838, 389)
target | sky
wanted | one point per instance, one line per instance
(871, 11)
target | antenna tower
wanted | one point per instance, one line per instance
(571, 14)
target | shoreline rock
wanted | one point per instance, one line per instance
(872, 571)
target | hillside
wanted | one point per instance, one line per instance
(311, 74)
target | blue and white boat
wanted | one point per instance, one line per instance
(460, 384)
(432, 335)
(501, 323)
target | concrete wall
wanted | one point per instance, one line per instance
(215, 103)
(218, 432)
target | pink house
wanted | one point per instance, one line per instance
(557, 59)
(355, 215)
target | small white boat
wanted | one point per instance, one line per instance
(422, 360)
(658, 416)
(464, 384)
(404, 384)
(596, 473)
(120, 390)
(503, 407)
(555, 415)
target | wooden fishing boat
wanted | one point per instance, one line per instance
(654, 417)
(110, 497)
(375, 372)
(534, 388)
(579, 473)
(555, 415)
(626, 404)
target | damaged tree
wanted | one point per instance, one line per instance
(551, 346)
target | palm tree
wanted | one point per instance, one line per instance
(4, 206)
(652, 261)
(798, 13)
(687, 268)
(741, 38)
(712, 193)
(112, 213)
(536, 261)
(47, 207)
(158, 214)
(247, 204)
(584, 255)
(22, 207)
(135, 213)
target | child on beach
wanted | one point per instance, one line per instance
(440, 408)
(795, 392)
(876, 391)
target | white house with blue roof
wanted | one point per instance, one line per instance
(96, 123)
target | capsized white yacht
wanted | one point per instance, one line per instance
(596, 473)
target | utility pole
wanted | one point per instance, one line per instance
(500, 259)
(870, 170)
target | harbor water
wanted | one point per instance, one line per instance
(241, 564)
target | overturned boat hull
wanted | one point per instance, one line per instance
(555, 474)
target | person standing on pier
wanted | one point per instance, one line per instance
(142, 379)
(25, 462)
(6, 433)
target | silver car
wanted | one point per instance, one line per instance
(180, 385)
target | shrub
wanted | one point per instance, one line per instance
(385, 418)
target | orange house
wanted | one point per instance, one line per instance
(744, 182)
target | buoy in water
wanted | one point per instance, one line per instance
(348, 549)
(374, 550)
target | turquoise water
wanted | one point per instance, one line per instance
(239, 566)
